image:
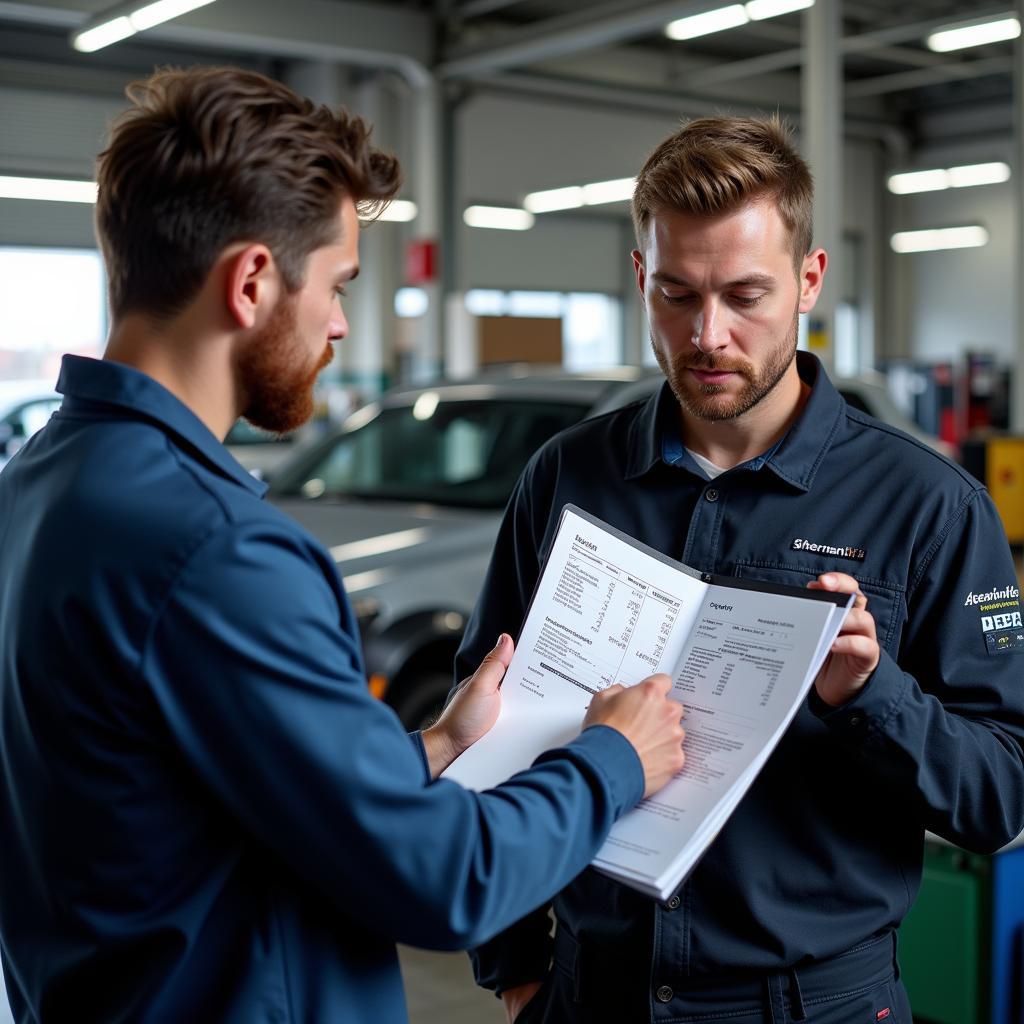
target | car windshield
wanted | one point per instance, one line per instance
(467, 453)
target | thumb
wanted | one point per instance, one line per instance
(492, 669)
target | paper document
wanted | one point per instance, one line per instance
(742, 655)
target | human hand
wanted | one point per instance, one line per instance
(516, 998)
(471, 712)
(649, 720)
(855, 653)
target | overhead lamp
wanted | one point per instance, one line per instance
(933, 239)
(399, 211)
(57, 190)
(555, 199)
(124, 20)
(732, 16)
(504, 218)
(574, 196)
(973, 33)
(964, 176)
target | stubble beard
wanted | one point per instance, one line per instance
(275, 375)
(700, 400)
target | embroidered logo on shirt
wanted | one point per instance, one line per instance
(1000, 613)
(856, 554)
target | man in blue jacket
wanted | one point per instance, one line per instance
(748, 462)
(205, 815)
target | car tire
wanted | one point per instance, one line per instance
(421, 698)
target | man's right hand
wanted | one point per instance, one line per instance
(649, 720)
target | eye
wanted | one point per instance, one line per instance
(677, 300)
(340, 291)
(747, 301)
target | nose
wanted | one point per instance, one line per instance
(337, 328)
(708, 334)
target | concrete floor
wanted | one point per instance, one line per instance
(439, 989)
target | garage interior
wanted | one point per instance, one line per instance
(520, 125)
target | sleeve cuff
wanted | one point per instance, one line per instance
(867, 712)
(417, 742)
(613, 758)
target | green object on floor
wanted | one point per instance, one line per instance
(944, 942)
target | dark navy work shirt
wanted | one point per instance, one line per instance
(204, 814)
(826, 848)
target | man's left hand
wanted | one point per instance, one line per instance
(471, 712)
(855, 653)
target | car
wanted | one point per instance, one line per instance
(25, 406)
(259, 451)
(408, 496)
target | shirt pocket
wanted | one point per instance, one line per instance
(886, 600)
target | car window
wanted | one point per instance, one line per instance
(454, 453)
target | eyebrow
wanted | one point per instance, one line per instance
(759, 280)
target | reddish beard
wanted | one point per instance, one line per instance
(276, 379)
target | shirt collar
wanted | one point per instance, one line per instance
(794, 459)
(100, 380)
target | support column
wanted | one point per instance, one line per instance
(822, 143)
(427, 180)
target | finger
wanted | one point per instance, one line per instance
(840, 583)
(861, 648)
(858, 620)
(660, 682)
(492, 669)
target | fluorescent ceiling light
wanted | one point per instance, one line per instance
(978, 174)
(964, 176)
(125, 20)
(758, 10)
(973, 33)
(53, 189)
(614, 191)
(918, 181)
(554, 199)
(710, 21)
(505, 218)
(939, 238)
(399, 211)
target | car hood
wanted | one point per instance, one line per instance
(364, 536)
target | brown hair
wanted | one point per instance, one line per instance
(206, 157)
(714, 165)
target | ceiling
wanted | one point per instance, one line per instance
(612, 53)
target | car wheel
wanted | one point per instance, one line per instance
(422, 698)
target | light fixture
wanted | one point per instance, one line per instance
(57, 190)
(399, 211)
(505, 218)
(935, 180)
(574, 196)
(933, 239)
(973, 33)
(732, 16)
(124, 20)
(759, 10)
(704, 24)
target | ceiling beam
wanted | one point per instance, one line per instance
(563, 35)
(961, 71)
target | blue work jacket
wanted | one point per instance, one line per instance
(826, 848)
(205, 815)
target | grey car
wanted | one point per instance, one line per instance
(408, 495)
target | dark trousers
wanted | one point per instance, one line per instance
(860, 986)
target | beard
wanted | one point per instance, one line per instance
(275, 376)
(701, 400)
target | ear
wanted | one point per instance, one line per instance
(641, 273)
(812, 276)
(251, 284)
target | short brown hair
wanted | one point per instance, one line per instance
(206, 157)
(714, 165)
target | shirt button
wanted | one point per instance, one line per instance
(711, 494)
(856, 720)
(664, 994)
(673, 904)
